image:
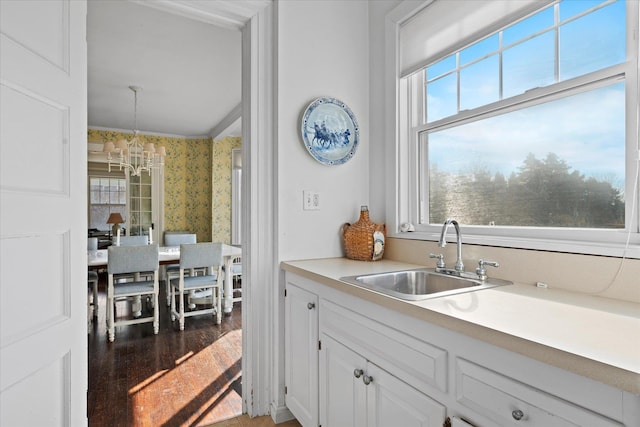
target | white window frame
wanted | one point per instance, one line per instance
(403, 159)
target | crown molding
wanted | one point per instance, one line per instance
(229, 14)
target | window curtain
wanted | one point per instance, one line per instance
(444, 26)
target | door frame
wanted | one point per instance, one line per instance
(259, 215)
(260, 321)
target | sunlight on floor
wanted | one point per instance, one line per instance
(245, 421)
(195, 399)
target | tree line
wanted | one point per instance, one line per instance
(542, 193)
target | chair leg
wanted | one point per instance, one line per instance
(218, 302)
(168, 290)
(181, 305)
(173, 305)
(156, 316)
(95, 299)
(111, 320)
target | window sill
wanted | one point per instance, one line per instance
(605, 248)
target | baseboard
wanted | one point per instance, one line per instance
(280, 414)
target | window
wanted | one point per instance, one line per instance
(529, 132)
(106, 195)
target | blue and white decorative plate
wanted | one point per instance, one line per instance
(330, 131)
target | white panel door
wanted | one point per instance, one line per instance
(343, 397)
(301, 354)
(43, 224)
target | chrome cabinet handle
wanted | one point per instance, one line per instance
(517, 414)
(367, 379)
(311, 305)
(358, 373)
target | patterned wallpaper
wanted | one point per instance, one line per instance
(188, 192)
(221, 188)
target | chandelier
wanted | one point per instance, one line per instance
(133, 155)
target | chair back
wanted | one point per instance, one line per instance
(132, 259)
(200, 255)
(92, 243)
(177, 239)
(134, 240)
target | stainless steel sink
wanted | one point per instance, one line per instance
(421, 284)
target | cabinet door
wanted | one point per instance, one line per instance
(392, 402)
(342, 391)
(301, 354)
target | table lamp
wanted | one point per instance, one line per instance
(116, 219)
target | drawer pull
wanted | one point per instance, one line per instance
(367, 379)
(358, 373)
(517, 414)
(311, 306)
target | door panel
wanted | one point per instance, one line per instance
(391, 402)
(301, 354)
(342, 395)
(43, 225)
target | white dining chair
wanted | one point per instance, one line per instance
(198, 255)
(132, 260)
(173, 270)
(133, 240)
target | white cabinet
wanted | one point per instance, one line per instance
(301, 354)
(509, 402)
(379, 367)
(342, 392)
(356, 392)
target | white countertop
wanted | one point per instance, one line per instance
(595, 337)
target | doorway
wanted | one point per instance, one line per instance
(227, 334)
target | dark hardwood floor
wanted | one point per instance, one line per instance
(188, 378)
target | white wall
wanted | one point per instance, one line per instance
(377, 182)
(323, 51)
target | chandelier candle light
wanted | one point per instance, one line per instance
(134, 155)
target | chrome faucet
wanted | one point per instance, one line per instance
(459, 267)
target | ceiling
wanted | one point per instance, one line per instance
(185, 55)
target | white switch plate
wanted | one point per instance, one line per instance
(311, 200)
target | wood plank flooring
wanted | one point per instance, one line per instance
(188, 378)
(245, 421)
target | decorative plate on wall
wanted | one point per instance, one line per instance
(330, 131)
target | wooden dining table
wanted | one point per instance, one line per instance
(171, 255)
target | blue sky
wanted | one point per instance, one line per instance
(585, 130)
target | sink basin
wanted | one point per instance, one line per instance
(421, 284)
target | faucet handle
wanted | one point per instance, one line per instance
(481, 271)
(440, 263)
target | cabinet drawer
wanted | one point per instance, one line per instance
(504, 400)
(420, 364)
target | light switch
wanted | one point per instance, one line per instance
(311, 200)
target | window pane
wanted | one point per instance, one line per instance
(104, 197)
(480, 49)
(107, 195)
(479, 84)
(528, 65)
(538, 22)
(558, 164)
(592, 42)
(572, 8)
(442, 98)
(94, 184)
(441, 67)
